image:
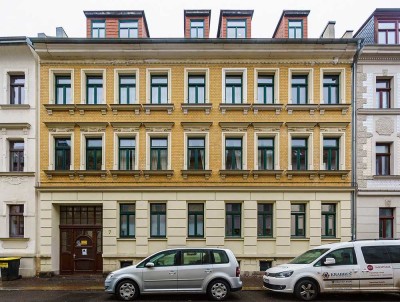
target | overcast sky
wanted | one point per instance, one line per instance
(165, 17)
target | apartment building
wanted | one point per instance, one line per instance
(153, 143)
(378, 126)
(18, 144)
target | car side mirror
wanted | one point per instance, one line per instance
(329, 261)
(149, 264)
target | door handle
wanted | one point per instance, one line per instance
(74, 255)
(208, 271)
(172, 272)
(365, 271)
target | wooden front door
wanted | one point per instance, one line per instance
(80, 243)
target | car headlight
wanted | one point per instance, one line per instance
(110, 276)
(285, 274)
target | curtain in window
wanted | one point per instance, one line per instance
(153, 159)
(201, 161)
(164, 159)
(238, 159)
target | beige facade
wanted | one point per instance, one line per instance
(216, 121)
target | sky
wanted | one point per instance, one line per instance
(165, 17)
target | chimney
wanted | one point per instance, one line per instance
(197, 23)
(60, 33)
(329, 31)
(348, 34)
(42, 35)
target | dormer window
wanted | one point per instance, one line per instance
(295, 29)
(387, 32)
(197, 28)
(128, 29)
(98, 29)
(236, 29)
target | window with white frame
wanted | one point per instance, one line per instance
(332, 151)
(126, 86)
(332, 86)
(15, 87)
(158, 86)
(266, 151)
(93, 90)
(196, 85)
(158, 155)
(93, 152)
(300, 151)
(126, 151)
(61, 151)
(301, 86)
(234, 151)
(234, 85)
(61, 88)
(267, 86)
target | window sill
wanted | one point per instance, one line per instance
(234, 107)
(83, 173)
(167, 173)
(334, 107)
(382, 111)
(158, 107)
(301, 107)
(267, 107)
(17, 174)
(234, 238)
(342, 173)
(299, 238)
(15, 107)
(330, 239)
(205, 173)
(243, 173)
(186, 107)
(157, 239)
(51, 173)
(386, 176)
(266, 238)
(91, 107)
(15, 239)
(257, 173)
(126, 239)
(311, 173)
(125, 107)
(196, 238)
(59, 107)
(134, 173)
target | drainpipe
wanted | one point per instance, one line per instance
(353, 143)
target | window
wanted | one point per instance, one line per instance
(16, 221)
(165, 258)
(87, 215)
(265, 153)
(375, 254)
(128, 29)
(62, 156)
(383, 159)
(158, 215)
(17, 89)
(16, 156)
(233, 153)
(394, 253)
(220, 257)
(387, 32)
(63, 90)
(233, 220)
(193, 257)
(195, 220)
(159, 89)
(236, 29)
(127, 89)
(383, 93)
(299, 89)
(328, 220)
(158, 153)
(197, 28)
(386, 219)
(298, 220)
(233, 89)
(345, 256)
(331, 154)
(264, 265)
(196, 153)
(94, 157)
(295, 29)
(196, 89)
(98, 29)
(331, 89)
(127, 221)
(127, 150)
(264, 220)
(265, 84)
(94, 89)
(299, 154)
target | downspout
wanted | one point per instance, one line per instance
(353, 143)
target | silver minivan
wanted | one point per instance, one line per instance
(213, 271)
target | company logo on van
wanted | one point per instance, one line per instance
(325, 275)
(370, 267)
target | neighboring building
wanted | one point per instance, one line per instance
(378, 126)
(180, 142)
(18, 145)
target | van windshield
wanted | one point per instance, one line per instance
(308, 256)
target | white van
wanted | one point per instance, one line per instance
(357, 266)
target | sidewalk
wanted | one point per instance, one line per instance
(89, 283)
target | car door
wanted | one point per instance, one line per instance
(163, 275)
(376, 268)
(195, 267)
(344, 274)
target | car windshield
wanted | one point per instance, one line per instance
(308, 256)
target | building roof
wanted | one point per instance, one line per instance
(291, 13)
(380, 12)
(233, 13)
(17, 40)
(118, 14)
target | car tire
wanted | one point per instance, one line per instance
(218, 290)
(127, 290)
(306, 290)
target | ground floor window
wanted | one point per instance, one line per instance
(386, 219)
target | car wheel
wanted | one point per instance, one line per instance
(306, 290)
(218, 290)
(127, 290)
